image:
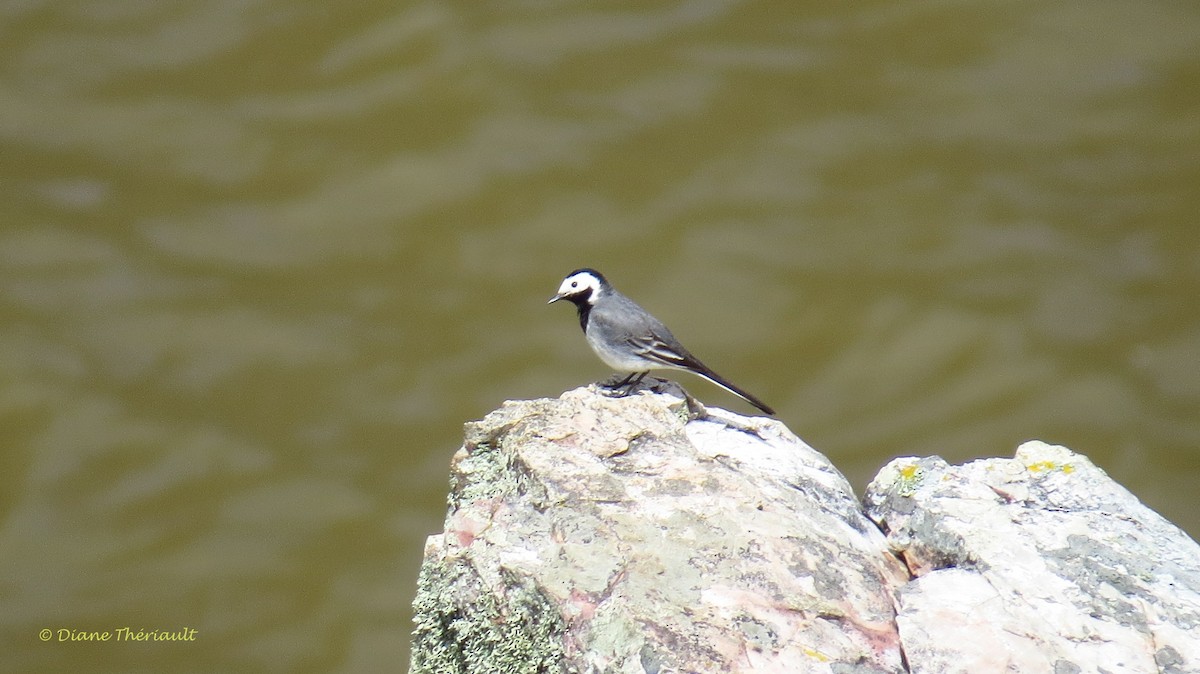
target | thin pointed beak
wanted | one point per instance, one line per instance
(554, 299)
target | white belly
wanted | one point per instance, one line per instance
(619, 360)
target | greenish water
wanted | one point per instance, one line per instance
(260, 261)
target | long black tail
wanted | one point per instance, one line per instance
(717, 379)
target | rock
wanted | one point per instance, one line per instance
(646, 534)
(649, 535)
(1040, 563)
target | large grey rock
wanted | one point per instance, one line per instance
(1039, 563)
(646, 534)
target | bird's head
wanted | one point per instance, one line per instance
(582, 286)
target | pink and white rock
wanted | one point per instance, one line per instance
(640, 535)
(649, 535)
(1039, 563)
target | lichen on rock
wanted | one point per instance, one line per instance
(649, 534)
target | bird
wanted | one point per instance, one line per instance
(628, 338)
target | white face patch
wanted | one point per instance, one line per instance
(582, 283)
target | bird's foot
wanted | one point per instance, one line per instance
(614, 386)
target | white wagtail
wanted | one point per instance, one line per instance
(628, 338)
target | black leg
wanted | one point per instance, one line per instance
(612, 384)
(635, 381)
(628, 383)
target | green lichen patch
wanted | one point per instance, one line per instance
(463, 627)
(490, 471)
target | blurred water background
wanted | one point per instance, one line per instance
(260, 260)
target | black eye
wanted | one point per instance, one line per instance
(574, 284)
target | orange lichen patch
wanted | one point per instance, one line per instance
(908, 478)
(1049, 466)
(815, 654)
